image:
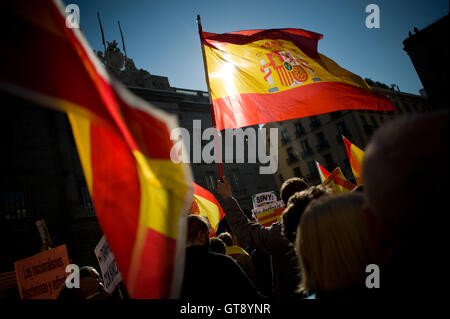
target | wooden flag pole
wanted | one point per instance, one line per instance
(211, 108)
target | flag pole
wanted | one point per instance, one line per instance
(123, 41)
(211, 108)
(103, 35)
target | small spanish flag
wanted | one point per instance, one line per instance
(355, 156)
(262, 76)
(323, 173)
(271, 216)
(337, 182)
(205, 204)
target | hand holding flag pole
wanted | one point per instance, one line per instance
(211, 108)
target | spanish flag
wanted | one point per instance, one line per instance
(205, 204)
(323, 173)
(140, 196)
(261, 76)
(337, 182)
(355, 156)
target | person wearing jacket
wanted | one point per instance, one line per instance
(212, 276)
(269, 240)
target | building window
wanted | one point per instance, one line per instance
(342, 131)
(285, 138)
(299, 130)
(15, 205)
(315, 122)
(322, 143)
(236, 180)
(297, 172)
(306, 149)
(292, 156)
(86, 199)
(313, 173)
(210, 179)
(374, 121)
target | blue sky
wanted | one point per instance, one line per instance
(161, 36)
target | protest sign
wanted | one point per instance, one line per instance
(269, 213)
(110, 272)
(42, 275)
(263, 198)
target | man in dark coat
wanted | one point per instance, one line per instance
(211, 276)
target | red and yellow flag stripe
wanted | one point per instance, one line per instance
(355, 156)
(323, 173)
(261, 76)
(337, 182)
(141, 197)
(205, 204)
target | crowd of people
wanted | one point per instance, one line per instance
(328, 245)
(325, 243)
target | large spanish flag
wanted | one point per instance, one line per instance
(337, 182)
(205, 204)
(355, 156)
(323, 173)
(261, 76)
(140, 196)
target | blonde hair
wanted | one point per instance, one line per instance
(332, 243)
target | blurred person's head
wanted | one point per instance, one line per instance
(296, 206)
(292, 186)
(226, 238)
(216, 245)
(197, 231)
(405, 172)
(91, 286)
(332, 244)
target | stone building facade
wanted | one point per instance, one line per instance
(319, 138)
(429, 52)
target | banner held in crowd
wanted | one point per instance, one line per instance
(42, 275)
(267, 208)
(110, 272)
(263, 198)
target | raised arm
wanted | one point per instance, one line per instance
(252, 234)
